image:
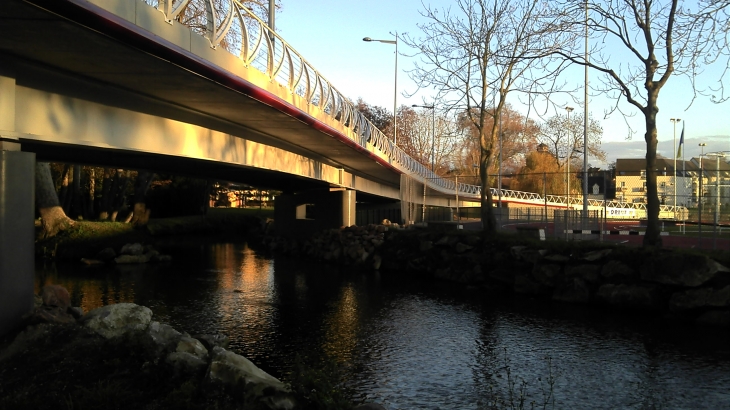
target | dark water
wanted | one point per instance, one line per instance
(412, 345)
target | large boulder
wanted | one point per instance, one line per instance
(132, 249)
(164, 337)
(618, 271)
(574, 291)
(56, 295)
(230, 369)
(548, 274)
(720, 318)
(630, 296)
(671, 268)
(699, 298)
(115, 320)
(587, 272)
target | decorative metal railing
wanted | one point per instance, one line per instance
(230, 25)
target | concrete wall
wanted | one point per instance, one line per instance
(17, 188)
(299, 216)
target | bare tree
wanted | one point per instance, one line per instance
(565, 138)
(480, 45)
(660, 39)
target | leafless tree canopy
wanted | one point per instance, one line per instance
(638, 45)
(478, 51)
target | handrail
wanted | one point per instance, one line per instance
(229, 24)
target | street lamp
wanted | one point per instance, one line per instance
(570, 154)
(433, 131)
(674, 180)
(395, 93)
(699, 194)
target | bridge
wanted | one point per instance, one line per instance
(124, 83)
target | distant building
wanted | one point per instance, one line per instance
(631, 180)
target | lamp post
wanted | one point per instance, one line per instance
(431, 107)
(395, 92)
(699, 194)
(674, 180)
(585, 122)
(570, 154)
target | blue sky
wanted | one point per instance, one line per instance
(329, 35)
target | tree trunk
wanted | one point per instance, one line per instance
(140, 213)
(489, 222)
(53, 219)
(106, 193)
(63, 194)
(77, 210)
(652, 238)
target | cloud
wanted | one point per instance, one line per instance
(636, 148)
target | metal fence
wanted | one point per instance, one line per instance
(694, 205)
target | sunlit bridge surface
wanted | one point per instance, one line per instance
(412, 345)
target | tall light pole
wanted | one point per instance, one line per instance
(395, 92)
(699, 195)
(431, 107)
(570, 154)
(585, 121)
(674, 180)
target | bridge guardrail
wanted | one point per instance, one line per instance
(230, 25)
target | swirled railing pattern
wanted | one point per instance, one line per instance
(230, 25)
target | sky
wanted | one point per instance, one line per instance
(329, 35)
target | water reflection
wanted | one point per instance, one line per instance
(415, 345)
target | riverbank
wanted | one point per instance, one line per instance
(87, 238)
(687, 286)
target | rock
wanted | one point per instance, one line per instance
(557, 258)
(115, 320)
(425, 246)
(187, 344)
(230, 369)
(106, 255)
(462, 247)
(589, 273)
(575, 291)
(131, 259)
(630, 296)
(50, 314)
(186, 362)
(37, 301)
(132, 249)
(547, 274)
(377, 261)
(617, 270)
(163, 258)
(525, 285)
(670, 268)
(211, 341)
(165, 337)
(56, 295)
(502, 275)
(719, 318)
(698, 298)
(76, 312)
(593, 256)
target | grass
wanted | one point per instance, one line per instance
(86, 238)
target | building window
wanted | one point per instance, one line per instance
(623, 184)
(643, 174)
(663, 184)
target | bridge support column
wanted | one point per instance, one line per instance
(301, 215)
(17, 189)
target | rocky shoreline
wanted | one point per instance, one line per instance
(198, 370)
(685, 286)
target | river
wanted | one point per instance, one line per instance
(410, 344)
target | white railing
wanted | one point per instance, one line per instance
(230, 25)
